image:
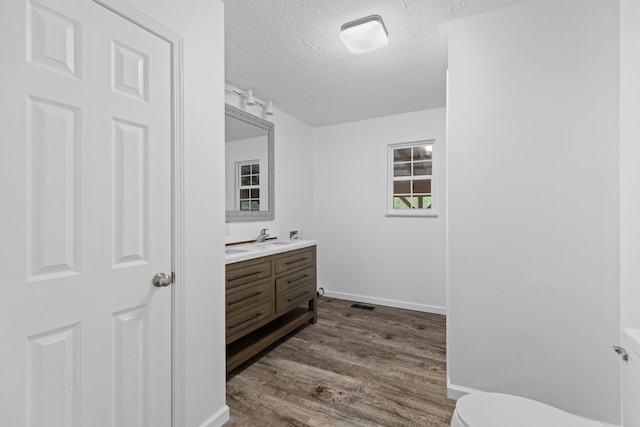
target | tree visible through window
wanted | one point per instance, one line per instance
(249, 186)
(411, 171)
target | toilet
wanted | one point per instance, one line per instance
(480, 409)
(504, 410)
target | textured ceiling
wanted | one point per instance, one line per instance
(290, 51)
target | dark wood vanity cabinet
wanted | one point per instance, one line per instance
(267, 298)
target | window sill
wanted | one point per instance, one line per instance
(413, 213)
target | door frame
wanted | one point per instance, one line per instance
(177, 198)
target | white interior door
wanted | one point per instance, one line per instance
(85, 101)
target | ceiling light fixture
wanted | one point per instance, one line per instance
(364, 34)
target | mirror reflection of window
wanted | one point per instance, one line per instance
(246, 145)
(248, 185)
(249, 140)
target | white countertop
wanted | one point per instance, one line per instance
(236, 253)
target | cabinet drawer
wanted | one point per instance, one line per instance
(247, 272)
(295, 259)
(291, 299)
(244, 321)
(241, 297)
(295, 280)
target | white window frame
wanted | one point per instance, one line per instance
(391, 211)
(238, 167)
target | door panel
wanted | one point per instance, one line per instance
(53, 178)
(130, 193)
(86, 217)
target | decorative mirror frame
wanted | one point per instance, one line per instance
(256, 216)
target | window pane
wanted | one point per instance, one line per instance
(245, 169)
(422, 153)
(424, 202)
(401, 202)
(401, 187)
(255, 168)
(415, 202)
(422, 186)
(402, 169)
(255, 180)
(244, 194)
(244, 205)
(422, 168)
(402, 155)
(255, 205)
(245, 180)
(255, 193)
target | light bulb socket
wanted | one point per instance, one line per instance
(268, 108)
(249, 99)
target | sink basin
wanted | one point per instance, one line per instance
(232, 251)
(252, 247)
(271, 245)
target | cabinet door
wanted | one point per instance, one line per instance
(247, 272)
(240, 298)
(245, 321)
(294, 260)
(295, 289)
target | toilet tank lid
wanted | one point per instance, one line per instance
(505, 410)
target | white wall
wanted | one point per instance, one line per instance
(533, 204)
(629, 167)
(364, 255)
(293, 178)
(201, 24)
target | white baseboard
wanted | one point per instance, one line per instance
(387, 302)
(217, 419)
(455, 392)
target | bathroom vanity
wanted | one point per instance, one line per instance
(270, 292)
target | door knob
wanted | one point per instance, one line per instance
(160, 280)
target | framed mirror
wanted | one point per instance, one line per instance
(249, 171)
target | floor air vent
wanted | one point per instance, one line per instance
(363, 307)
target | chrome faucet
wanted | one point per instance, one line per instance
(263, 235)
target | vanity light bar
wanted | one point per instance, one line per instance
(249, 99)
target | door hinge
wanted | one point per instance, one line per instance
(173, 278)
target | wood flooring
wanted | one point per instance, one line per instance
(384, 367)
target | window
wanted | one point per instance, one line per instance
(410, 179)
(248, 189)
